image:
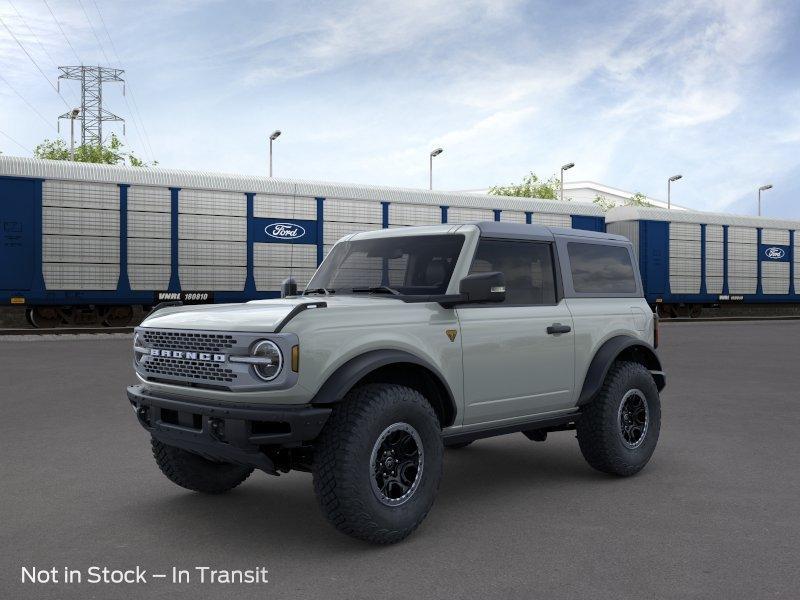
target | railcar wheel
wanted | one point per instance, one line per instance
(44, 316)
(695, 311)
(118, 316)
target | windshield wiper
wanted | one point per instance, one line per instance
(378, 289)
(319, 291)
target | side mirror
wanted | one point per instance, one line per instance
(483, 287)
(288, 287)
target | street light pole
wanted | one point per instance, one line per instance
(669, 189)
(564, 168)
(72, 115)
(273, 136)
(436, 152)
(763, 188)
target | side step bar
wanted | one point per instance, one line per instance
(555, 423)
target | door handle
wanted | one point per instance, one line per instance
(558, 328)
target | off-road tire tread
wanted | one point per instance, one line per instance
(596, 429)
(334, 465)
(195, 473)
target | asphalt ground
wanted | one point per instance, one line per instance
(714, 515)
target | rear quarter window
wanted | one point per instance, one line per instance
(601, 269)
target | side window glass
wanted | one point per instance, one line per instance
(601, 269)
(527, 267)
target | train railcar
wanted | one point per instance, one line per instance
(690, 260)
(87, 243)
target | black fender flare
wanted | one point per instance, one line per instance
(354, 370)
(612, 349)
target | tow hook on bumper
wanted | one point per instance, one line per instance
(226, 432)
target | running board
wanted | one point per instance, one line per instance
(559, 423)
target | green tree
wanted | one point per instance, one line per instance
(638, 199)
(531, 187)
(112, 153)
(606, 204)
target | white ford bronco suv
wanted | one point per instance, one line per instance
(406, 342)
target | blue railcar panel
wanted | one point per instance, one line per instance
(385, 215)
(654, 258)
(587, 223)
(759, 287)
(703, 288)
(124, 286)
(792, 291)
(250, 282)
(18, 227)
(284, 231)
(174, 278)
(725, 288)
(320, 226)
(775, 252)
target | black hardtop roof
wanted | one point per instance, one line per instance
(535, 231)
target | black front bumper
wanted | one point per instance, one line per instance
(231, 433)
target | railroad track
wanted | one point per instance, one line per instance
(752, 318)
(63, 330)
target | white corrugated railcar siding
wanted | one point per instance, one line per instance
(552, 219)
(80, 235)
(284, 207)
(149, 246)
(715, 268)
(630, 229)
(458, 214)
(513, 216)
(684, 258)
(742, 260)
(212, 233)
(414, 214)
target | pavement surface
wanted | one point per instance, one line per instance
(714, 514)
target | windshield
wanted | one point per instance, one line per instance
(408, 265)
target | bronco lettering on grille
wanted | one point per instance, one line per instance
(187, 355)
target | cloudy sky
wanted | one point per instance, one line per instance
(632, 92)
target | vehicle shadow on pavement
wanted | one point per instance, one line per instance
(265, 511)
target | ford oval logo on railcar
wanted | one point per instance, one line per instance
(775, 253)
(285, 231)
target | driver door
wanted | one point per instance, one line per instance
(513, 368)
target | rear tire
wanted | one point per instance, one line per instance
(193, 472)
(378, 463)
(619, 429)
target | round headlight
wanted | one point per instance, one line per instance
(269, 368)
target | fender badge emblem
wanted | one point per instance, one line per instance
(451, 333)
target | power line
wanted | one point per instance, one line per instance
(136, 114)
(21, 97)
(61, 29)
(99, 43)
(16, 142)
(35, 64)
(36, 37)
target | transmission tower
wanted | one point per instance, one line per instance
(92, 113)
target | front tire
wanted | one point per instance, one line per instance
(193, 472)
(619, 429)
(378, 463)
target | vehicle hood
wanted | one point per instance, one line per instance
(261, 316)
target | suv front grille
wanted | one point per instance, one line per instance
(180, 340)
(189, 369)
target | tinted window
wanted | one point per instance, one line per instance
(412, 265)
(601, 269)
(526, 266)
